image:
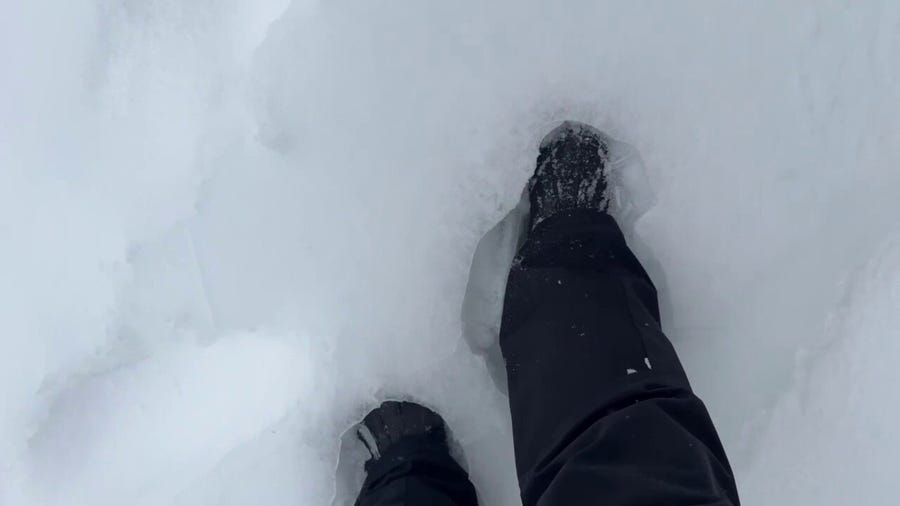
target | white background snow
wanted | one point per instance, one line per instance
(230, 227)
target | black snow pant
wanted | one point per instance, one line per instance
(602, 411)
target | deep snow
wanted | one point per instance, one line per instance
(229, 227)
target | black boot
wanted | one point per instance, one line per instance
(411, 461)
(395, 422)
(571, 172)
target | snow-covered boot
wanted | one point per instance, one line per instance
(571, 172)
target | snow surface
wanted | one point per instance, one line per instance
(230, 227)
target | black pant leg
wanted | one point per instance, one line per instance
(602, 410)
(412, 473)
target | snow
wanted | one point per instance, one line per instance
(229, 228)
(842, 393)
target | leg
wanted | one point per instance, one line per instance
(602, 410)
(411, 462)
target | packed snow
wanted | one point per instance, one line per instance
(231, 227)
